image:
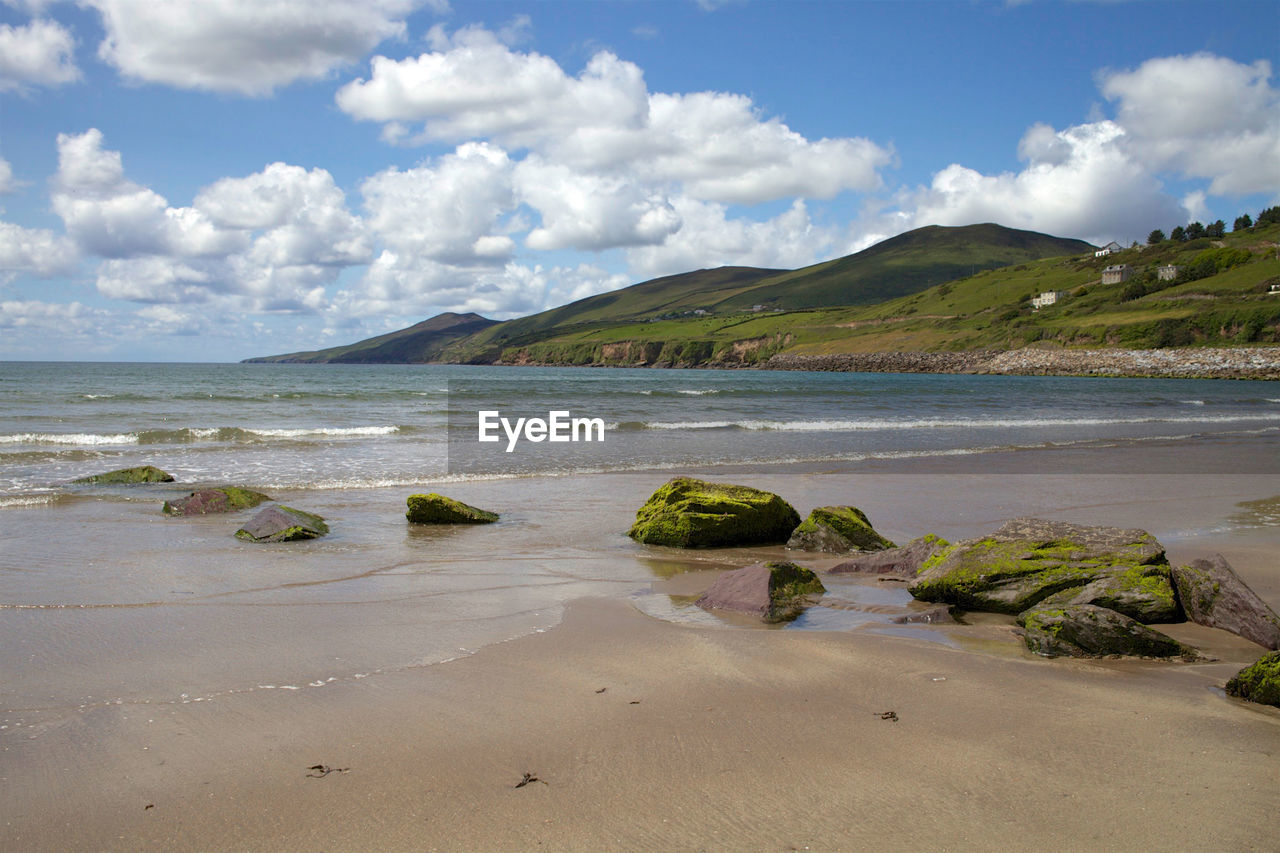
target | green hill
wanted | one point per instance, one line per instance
(418, 344)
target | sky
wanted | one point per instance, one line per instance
(211, 180)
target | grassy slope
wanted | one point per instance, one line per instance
(989, 310)
(417, 344)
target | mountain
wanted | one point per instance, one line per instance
(897, 267)
(418, 344)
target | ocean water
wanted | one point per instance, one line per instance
(104, 601)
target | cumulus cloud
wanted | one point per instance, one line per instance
(35, 250)
(249, 47)
(7, 183)
(474, 86)
(60, 319)
(1204, 116)
(1079, 182)
(271, 241)
(40, 53)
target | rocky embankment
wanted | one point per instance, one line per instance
(1185, 363)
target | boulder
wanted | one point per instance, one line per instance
(1084, 630)
(837, 529)
(776, 592)
(282, 524)
(1213, 594)
(209, 501)
(688, 513)
(437, 509)
(904, 562)
(1027, 561)
(129, 476)
(929, 616)
(1259, 682)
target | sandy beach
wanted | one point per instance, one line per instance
(639, 733)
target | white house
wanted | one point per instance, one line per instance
(1113, 246)
(1049, 297)
(1168, 272)
(1117, 273)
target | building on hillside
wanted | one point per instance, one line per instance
(1274, 291)
(1117, 273)
(1168, 272)
(1113, 246)
(1049, 297)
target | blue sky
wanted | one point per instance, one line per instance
(208, 180)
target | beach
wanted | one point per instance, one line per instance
(649, 733)
(389, 686)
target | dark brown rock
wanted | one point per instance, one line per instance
(209, 501)
(1083, 630)
(1212, 594)
(901, 562)
(282, 524)
(776, 592)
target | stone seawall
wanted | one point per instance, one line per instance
(1184, 363)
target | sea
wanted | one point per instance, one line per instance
(104, 600)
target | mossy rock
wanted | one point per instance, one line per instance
(128, 477)
(689, 513)
(1259, 682)
(1212, 594)
(775, 591)
(437, 509)
(837, 529)
(1084, 630)
(282, 524)
(210, 501)
(1029, 561)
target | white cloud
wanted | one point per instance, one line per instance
(7, 183)
(1080, 182)
(708, 238)
(57, 318)
(447, 212)
(35, 250)
(249, 47)
(1203, 116)
(605, 121)
(40, 53)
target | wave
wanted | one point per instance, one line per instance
(932, 423)
(188, 435)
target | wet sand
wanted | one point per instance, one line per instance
(646, 734)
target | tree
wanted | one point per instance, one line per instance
(1243, 223)
(1156, 236)
(1178, 235)
(1215, 229)
(1268, 216)
(1195, 231)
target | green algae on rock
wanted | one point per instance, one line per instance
(1259, 682)
(437, 509)
(1028, 561)
(1085, 630)
(837, 529)
(128, 477)
(774, 591)
(209, 501)
(282, 524)
(689, 513)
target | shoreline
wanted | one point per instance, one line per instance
(1245, 363)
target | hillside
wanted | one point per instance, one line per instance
(418, 344)
(897, 267)
(1231, 305)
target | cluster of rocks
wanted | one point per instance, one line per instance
(1075, 590)
(1174, 362)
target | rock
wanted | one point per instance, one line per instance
(1084, 630)
(1212, 594)
(904, 562)
(282, 524)
(208, 501)
(928, 616)
(129, 476)
(688, 513)
(837, 529)
(1028, 560)
(437, 509)
(776, 592)
(1259, 682)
